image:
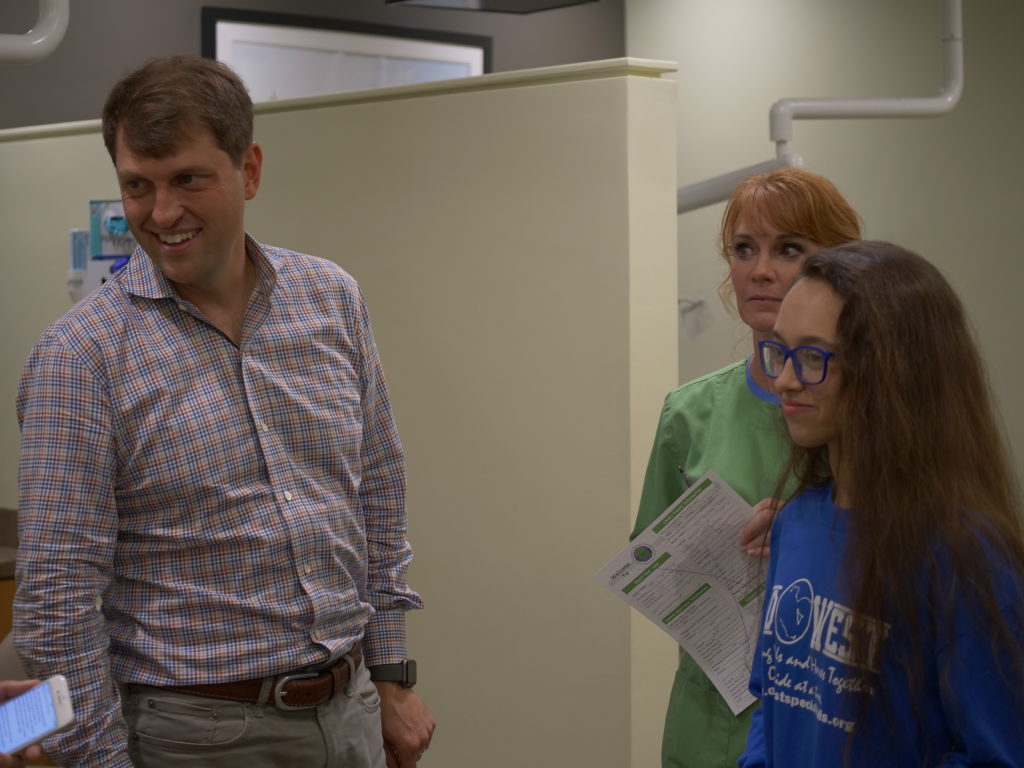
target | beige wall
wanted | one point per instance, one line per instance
(947, 187)
(515, 274)
(46, 183)
(515, 241)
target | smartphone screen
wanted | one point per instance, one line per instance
(30, 716)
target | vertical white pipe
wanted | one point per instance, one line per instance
(43, 38)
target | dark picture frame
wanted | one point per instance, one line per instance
(388, 35)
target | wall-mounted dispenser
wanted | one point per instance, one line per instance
(99, 252)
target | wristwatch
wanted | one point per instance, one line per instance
(404, 672)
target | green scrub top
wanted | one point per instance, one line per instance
(725, 423)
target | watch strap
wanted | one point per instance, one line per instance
(403, 672)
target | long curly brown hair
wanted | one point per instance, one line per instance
(922, 459)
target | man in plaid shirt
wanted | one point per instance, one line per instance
(212, 489)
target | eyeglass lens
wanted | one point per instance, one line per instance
(808, 363)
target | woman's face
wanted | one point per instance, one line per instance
(763, 262)
(809, 317)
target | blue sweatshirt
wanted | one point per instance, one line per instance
(805, 678)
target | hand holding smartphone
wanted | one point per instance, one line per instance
(33, 715)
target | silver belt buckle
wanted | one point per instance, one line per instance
(279, 690)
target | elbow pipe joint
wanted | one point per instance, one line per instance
(43, 38)
(785, 111)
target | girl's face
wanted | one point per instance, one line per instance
(763, 262)
(808, 317)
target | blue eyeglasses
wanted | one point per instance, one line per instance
(810, 364)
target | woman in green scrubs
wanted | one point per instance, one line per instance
(727, 421)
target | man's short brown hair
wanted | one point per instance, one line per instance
(159, 106)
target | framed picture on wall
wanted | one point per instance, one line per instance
(284, 56)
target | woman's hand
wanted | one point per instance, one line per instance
(755, 535)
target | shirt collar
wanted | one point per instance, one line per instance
(758, 391)
(140, 277)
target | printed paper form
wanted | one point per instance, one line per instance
(687, 574)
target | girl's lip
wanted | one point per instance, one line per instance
(789, 409)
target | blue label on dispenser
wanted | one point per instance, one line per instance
(79, 248)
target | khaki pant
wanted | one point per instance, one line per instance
(168, 730)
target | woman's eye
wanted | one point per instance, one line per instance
(742, 250)
(811, 358)
(793, 250)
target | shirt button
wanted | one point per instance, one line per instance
(264, 427)
(307, 569)
(287, 495)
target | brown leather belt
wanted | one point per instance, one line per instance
(294, 690)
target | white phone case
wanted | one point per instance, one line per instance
(35, 714)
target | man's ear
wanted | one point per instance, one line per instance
(252, 166)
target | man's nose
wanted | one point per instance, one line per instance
(167, 208)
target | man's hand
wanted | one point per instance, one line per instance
(8, 690)
(406, 722)
(754, 538)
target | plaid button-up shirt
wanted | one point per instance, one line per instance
(239, 511)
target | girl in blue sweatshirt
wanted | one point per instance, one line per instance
(893, 626)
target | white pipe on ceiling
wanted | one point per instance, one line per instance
(719, 188)
(43, 38)
(785, 111)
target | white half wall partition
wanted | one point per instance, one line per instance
(515, 238)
